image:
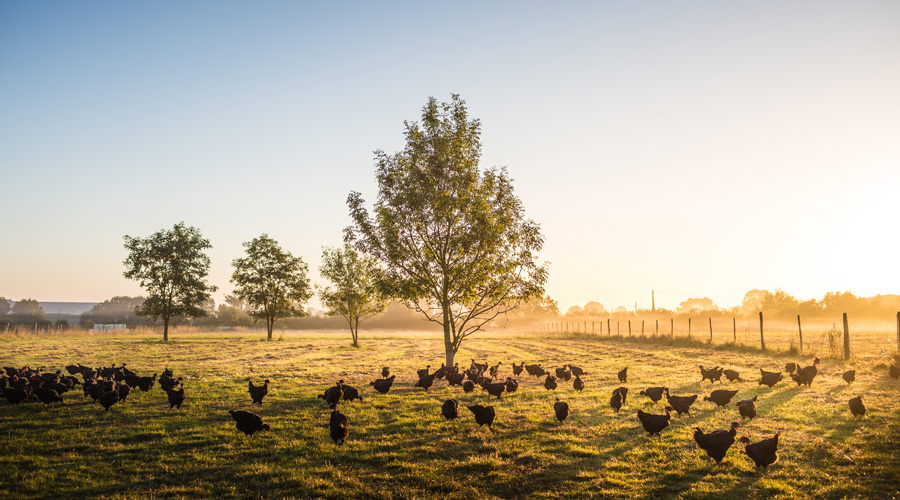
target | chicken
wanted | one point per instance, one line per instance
(258, 392)
(441, 372)
(423, 372)
(562, 373)
(681, 404)
(747, 408)
(577, 370)
(511, 385)
(653, 424)
(495, 389)
(495, 370)
(716, 443)
(623, 375)
(124, 391)
(351, 393)
(894, 371)
(455, 378)
(385, 371)
(47, 396)
(805, 375)
(339, 427)
(624, 392)
(712, 374)
(481, 367)
(764, 453)
(450, 409)
(561, 408)
(176, 397)
(732, 375)
(247, 422)
(550, 383)
(720, 397)
(15, 395)
(535, 370)
(484, 415)
(578, 384)
(108, 398)
(468, 386)
(849, 376)
(425, 382)
(383, 385)
(145, 383)
(654, 393)
(616, 400)
(857, 407)
(517, 369)
(333, 394)
(790, 367)
(770, 378)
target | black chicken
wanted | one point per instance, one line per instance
(747, 408)
(578, 384)
(175, 397)
(764, 453)
(517, 369)
(484, 415)
(495, 389)
(654, 393)
(562, 373)
(333, 394)
(681, 404)
(805, 375)
(108, 398)
(535, 370)
(455, 378)
(146, 383)
(770, 378)
(577, 370)
(258, 392)
(425, 382)
(790, 367)
(623, 375)
(849, 376)
(385, 371)
(712, 374)
(894, 371)
(857, 407)
(339, 427)
(47, 396)
(383, 385)
(247, 422)
(653, 424)
(716, 443)
(732, 375)
(624, 392)
(550, 383)
(351, 393)
(450, 409)
(423, 372)
(616, 400)
(15, 395)
(511, 385)
(124, 391)
(468, 386)
(720, 397)
(561, 408)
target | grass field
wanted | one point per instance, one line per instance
(399, 445)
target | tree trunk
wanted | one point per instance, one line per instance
(270, 322)
(354, 332)
(166, 329)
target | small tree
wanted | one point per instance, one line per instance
(355, 295)
(172, 267)
(273, 282)
(28, 311)
(452, 240)
(4, 306)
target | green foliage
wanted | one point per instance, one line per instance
(119, 309)
(272, 281)
(452, 240)
(172, 267)
(355, 295)
(28, 312)
(228, 315)
(4, 306)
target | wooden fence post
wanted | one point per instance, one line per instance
(762, 340)
(617, 328)
(629, 328)
(608, 328)
(642, 328)
(710, 330)
(898, 330)
(672, 327)
(734, 329)
(657, 325)
(846, 339)
(592, 326)
(800, 329)
(689, 327)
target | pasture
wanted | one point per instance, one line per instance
(400, 447)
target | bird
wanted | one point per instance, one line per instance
(578, 384)
(145, 383)
(484, 415)
(653, 424)
(712, 374)
(495, 389)
(468, 386)
(747, 408)
(624, 392)
(849, 376)
(351, 393)
(517, 369)
(333, 394)
(383, 385)
(108, 398)
(616, 400)
(176, 397)
(623, 375)
(166, 381)
(716, 443)
(805, 375)
(894, 371)
(577, 370)
(550, 383)
(455, 378)
(770, 378)
(511, 385)
(764, 453)
(425, 382)
(535, 370)
(654, 393)
(258, 392)
(385, 371)
(15, 395)
(47, 396)
(450, 409)
(790, 367)
(247, 422)
(562, 373)
(423, 372)
(732, 375)
(561, 408)
(857, 408)
(681, 404)
(339, 427)
(720, 397)
(494, 370)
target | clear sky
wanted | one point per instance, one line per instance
(700, 148)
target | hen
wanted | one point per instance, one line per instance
(247, 422)
(653, 424)
(764, 453)
(716, 443)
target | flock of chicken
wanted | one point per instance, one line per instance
(109, 386)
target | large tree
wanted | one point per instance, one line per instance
(355, 294)
(451, 239)
(272, 281)
(171, 265)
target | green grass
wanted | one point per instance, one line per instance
(399, 445)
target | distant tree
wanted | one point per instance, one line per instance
(119, 309)
(840, 302)
(272, 281)
(575, 311)
(228, 315)
(780, 304)
(28, 311)
(594, 308)
(538, 307)
(355, 294)
(753, 301)
(172, 267)
(452, 240)
(811, 307)
(237, 302)
(4, 306)
(696, 305)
